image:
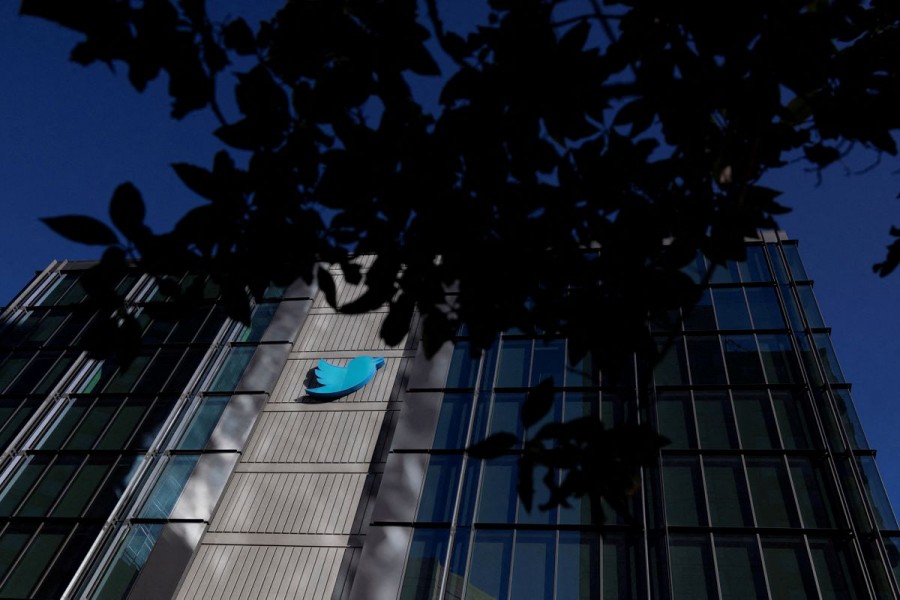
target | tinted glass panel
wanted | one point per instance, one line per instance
(672, 366)
(690, 558)
(577, 576)
(506, 413)
(489, 569)
(742, 359)
(533, 563)
(498, 491)
(794, 263)
(675, 419)
(740, 568)
(773, 500)
(836, 569)
(779, 360)
(765, 308)
(756, 423)
(39, 556)
(441, 480)
(829, 359)
(701, 316)
(169, 486)
(706, 360)
(715, 420)
(729, 501)
(810, 307)
(794, 420)
(788, 567)
(731, 308)
(683, 491)
(425, 565)
(463, 367)
(129, 560)
(203, 422)
(755, 268)
(622, 566)
(230, 373)
(515, 359)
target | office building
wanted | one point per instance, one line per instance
(204, 470)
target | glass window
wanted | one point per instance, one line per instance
(537, 515)
(742, 359)
(755, 269)
(13, 415)
(672, 366)
(155, 376)
(123, 425)
(463, 367)
(125, 378)
(701, 316)
(727, 273)
(262, 316)
(829, 359)
(617, 408)
(622, 566)
(577, 575)
(15, 491)
(506, 413)
(425, 565)
(764, 308)
(810, 307)
(458, 558)
(12, 542)
(815, 493)
(46, 327)
(848, 415)
(185, 370)
(489, 570)
(731, 308)
(715, 420)
(729, 500)
(778, 359)
(93, 424)
(793, 309)
(787, 566)
(61, 284)
(169, 486)
(515, 359)
(580, 404)
(675, 418)
(777, 264)
(884, 514)
(439, 493)
(794, 262)
(836, 569)
(84, 486)
(794, 421)
(113, 487)
(756, 423)
(55, 479)
(549, 362)
(68, 418)
(203, 422)
(690, 559)
(12, 367)
(129, 560)
(533, 561)
(706, 360)
(230, 372)
(584, 373)
(55, 374)
(740, 568)
(469, 492)
(37, 558)
(683, 489)
(497, 502)
(773, 501)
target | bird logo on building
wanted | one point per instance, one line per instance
(337, 381)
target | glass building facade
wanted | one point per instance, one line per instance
(94, 454)
(767, 490)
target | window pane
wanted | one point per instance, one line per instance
(742, 359)
(727, 273)
(36, 559)
(515, 358)
(469, 492)
(850, 419)
(731, 308)
(84, 486)
(622, 566)
(580, 404)
(491, 558)
(169, 486)
(541, 496)
(48, 489)
(124, 379)
(425, 565)
(765, 308)
(203, 422)
(584, 373)
(93, 423)
(69, 417)
(794, 420)
(119, 432)
(262, 316)
(458, 558)
(66, 563)
(794, 263)
(498, 491)
(814, 493)
(683, 491)
(706, 360)
(773, 501)
(158, 372)
(533, 565)
(729, 500)
(692, 577)
(578, 575)
(779, 359)
(15, 491)
(672, 366)
(740, 568)
(715, 420)
(230, 373)
(185, 370)
(114, 487)
(829, 359)
(439, 494)
(129, 561)
(12, 542)
(463, 367)
(836, 569)
(810, 307)
(549, 362)
(675, 419)
(701, 317)
(883, 512)
(755, 268)
(506, 413)
(756, 423)
(788, 568)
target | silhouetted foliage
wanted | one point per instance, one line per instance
(575, 145)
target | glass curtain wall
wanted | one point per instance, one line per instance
(100, 432)
(768, 489)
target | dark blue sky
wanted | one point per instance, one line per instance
(69, 135)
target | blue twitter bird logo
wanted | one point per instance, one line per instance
(340, 381)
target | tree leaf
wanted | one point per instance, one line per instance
(82, 229)
(538, 403)
(126, 209)
(493, 446)
(238, 36)
(197, 179)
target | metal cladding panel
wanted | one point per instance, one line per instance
(315, 437)
(229, 572)
(319, 503)
(328, 332)
(292, 385)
